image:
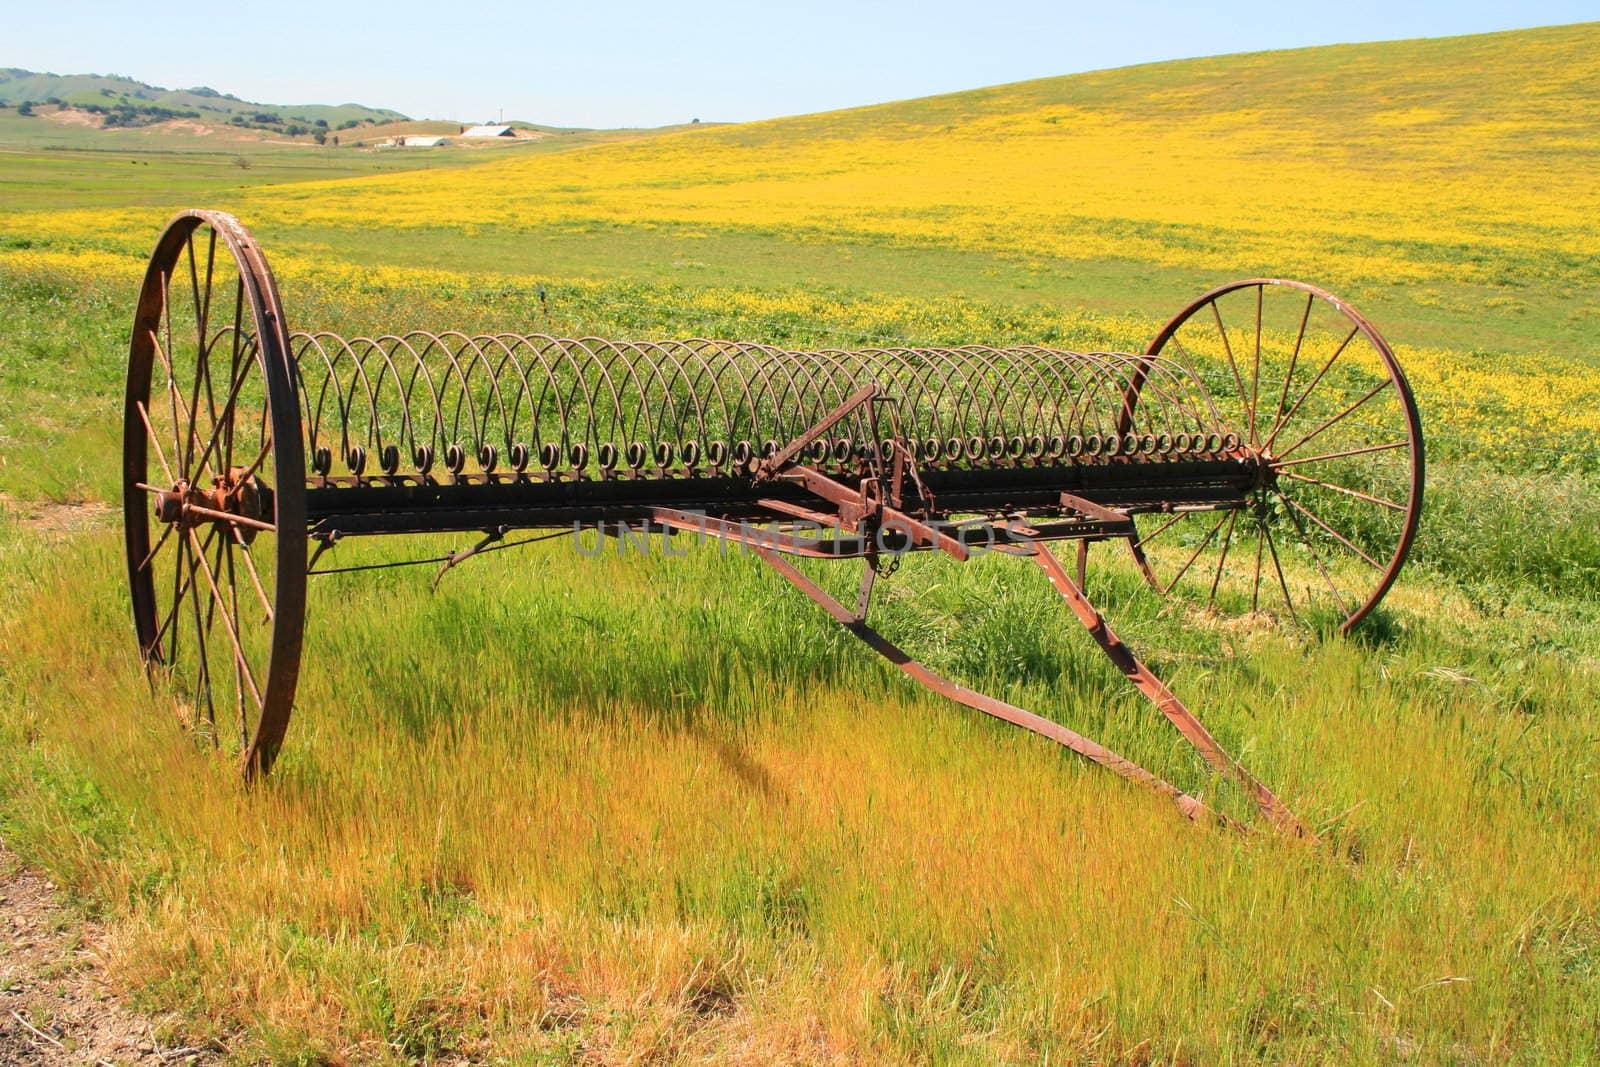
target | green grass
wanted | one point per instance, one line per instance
(663, 806)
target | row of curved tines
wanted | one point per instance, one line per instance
(720, 457)
(543, 403)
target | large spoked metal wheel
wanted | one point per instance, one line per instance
(214, 487)
(1329, 429)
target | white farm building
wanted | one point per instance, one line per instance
(488, 131)
(424, 142)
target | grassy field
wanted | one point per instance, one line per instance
(640, 809)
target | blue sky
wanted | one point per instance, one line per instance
(634, 63)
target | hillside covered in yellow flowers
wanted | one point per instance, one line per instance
(1459, 160)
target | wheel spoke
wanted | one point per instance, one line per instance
(1261, 541)
(149, 557)
(1227, 347)
(1201, 547)
(1255, 373)
(233, 635)
(1227, 541)
(1284, 421)
(1375, 390)
(1164, 527)
(202, 680)
(1380, 501)
(227, 416)
(233, 604)
(1294, 357)
(1341, 538)
(1275, 463)
(255, 578)
(1316, 557)
(231, 519)
(1283, 584)
(144, 417)
(233, 364)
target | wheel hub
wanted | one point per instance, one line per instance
(239, 493)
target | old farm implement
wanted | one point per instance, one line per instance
(1263, 455)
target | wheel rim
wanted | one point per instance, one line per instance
(215, 538)
(1329, 428)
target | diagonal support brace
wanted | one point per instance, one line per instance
(1000, 709)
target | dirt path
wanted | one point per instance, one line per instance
(55, 1007)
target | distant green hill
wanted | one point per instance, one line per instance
(128, 102)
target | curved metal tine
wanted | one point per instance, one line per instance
(407, 432)
(616, 431)
(623, 425)
(721, 362)
(1086, 404)
(1143, 379)
(687, 406)
(305, 345)
(936, 402)
(491, 399)
(681, 406)
(742, 423)
(508, 344)
(349, 394)
(985, 397)
(655, 399)
(1032, 383)
(708, 376)
(463, 384)
(1063, 373)
(1174, 395)
(778, 370)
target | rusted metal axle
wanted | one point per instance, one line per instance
(1292, 437)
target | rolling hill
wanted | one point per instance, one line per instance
(1446, 173)
(114, 92)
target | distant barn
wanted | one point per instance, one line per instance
(424, 142)
(488, 131)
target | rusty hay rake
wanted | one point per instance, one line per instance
(1264, 454)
